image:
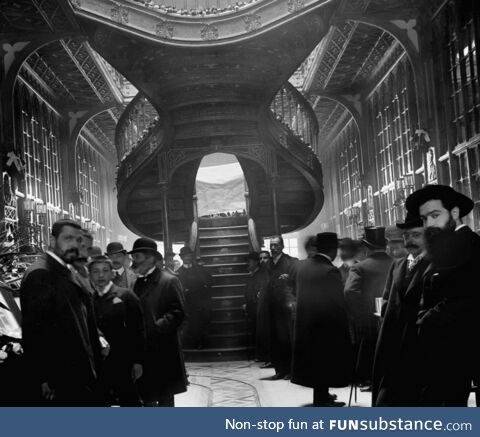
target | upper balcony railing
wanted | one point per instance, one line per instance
(292, 109)
(136, 123)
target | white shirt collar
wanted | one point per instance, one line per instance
(325, 256)
(148, 273)
(460, 226)
(120, 270)
(58, 259)
(105, 290)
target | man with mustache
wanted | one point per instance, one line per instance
(60, 337)
(448, 321)
(396, 358)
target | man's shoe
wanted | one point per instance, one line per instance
(287, 376)
(366, 388)
(330, 404)
(332, 397)
(268, 365)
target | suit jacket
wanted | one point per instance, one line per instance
(449, 322)
(161, 299)
(396, 356)
(365, 282)
(60, 336)
(120, 319)
(281, 291)
(322, 352)
(126, 279)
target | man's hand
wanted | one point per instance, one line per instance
(137, 371)
(47, 393)
(284, 276)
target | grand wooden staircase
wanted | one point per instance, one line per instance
(223, 244)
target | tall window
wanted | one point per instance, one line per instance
(462, 28)
(38, 134)
(347, 146)
(389, 108)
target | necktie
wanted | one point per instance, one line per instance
(413, 262)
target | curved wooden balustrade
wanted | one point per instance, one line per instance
(187, 29)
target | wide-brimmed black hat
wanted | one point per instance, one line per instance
(143, 244)
(449, 197)
(375, 237)
(411, 221)
(114, 247)
(327, 240)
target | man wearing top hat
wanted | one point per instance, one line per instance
(123, 276)
(395, 370)
(448, 322)
(161, 299)
(365, 282)
(196, 283)
(322, 350)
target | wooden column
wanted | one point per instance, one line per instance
(167, 242)
(276, 221)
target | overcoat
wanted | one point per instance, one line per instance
(449, 321)
(322, 349)
(365, 282)
(60, 336)
(126, 279)
(281, 299)
(395, 370)
(161, 299)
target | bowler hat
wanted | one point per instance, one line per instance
(94, 251)
(375, 237)
(449, 197)
(392, 233)
(114, 247)
(185, 250)
(327, 241)
(143, 244)
(411, 221)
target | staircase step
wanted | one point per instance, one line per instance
(218, 354)
(223, 249)
(220, 302)
(218, 258)
(228, 327)
(227, 314)
(219, 237)
(224, 241)
(227, 341)
(226, 268)
(220, 230)
(231, 278)
(213, 222)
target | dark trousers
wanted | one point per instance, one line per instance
(320, 395)
(162, 401)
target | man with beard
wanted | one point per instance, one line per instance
(395, 372)
(366, 282)
(60, 337)
(448, 322)
(123, 276)
(161, 299)
(281, 300)
(263, 314)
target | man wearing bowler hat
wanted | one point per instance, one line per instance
(161, 298)
(322, 347)
(395, 370)
(448, 322)
(365, 282)
(123, 276)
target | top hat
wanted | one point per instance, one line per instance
(255, 256)
(375, 237)
(114, 247)
(392, 233)
(143, 244)
(327, 240)
(185, 250)
(449, 197)
(411, 221)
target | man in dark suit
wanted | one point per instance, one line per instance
(120, 319)
(60, 336)
(322, 350)
(281, 300)
(395, 370)
(162, 302)
(123, 276)
(448, 323)
(196, 282)
(365, 282)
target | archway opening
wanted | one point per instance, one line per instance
(220, 186)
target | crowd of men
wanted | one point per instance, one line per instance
(398, 316)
